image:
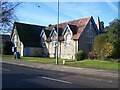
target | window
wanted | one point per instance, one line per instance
(90, 25)
(54, 39)
(90, 36)
(68, 39)
(53, 43)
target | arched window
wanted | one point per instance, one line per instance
(90, 36)
(68, 39)
(54, 39)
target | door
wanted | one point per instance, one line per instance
(27, 51)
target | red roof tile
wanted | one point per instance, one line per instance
(80, 23)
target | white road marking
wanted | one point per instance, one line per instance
(56, 80)
(5, 69)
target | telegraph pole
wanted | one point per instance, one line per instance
(57, 34)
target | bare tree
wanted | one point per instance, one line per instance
(7, 13)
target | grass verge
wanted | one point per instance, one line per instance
(96, 64)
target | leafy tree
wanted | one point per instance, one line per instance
(114, 36)
(98, 45)
(7, 48)
(7, 14)
(107, 50)
(108, 45)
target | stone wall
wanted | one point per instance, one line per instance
(64, 51)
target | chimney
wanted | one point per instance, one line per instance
(49, 25)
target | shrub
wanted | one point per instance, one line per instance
(80, 55)
(93, 55)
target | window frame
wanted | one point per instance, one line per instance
(68, 40)
(90, 36)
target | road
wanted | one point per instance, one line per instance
(14, 76)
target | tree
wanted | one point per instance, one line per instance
(108, 45)
(7, 48)
(8, 15)
(114, 37)
(98, 46)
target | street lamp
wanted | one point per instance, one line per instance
(57, 34)
(56, 45)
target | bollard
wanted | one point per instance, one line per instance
(63, 62)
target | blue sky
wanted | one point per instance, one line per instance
(29, 12)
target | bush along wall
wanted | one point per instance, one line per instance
(80, 55)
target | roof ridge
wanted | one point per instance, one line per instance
(73, 20)
(29, 24)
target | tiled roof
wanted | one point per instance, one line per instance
(77, 26)
(29, 34)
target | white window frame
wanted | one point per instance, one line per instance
(54, 40)
(90, 36)
(67, 41)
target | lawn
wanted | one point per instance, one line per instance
(97, 64)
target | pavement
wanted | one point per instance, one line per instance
(63, 68)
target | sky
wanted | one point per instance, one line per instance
(45, 13)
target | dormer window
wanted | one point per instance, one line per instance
(54, 39)
(68, 39)
(90, 36)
